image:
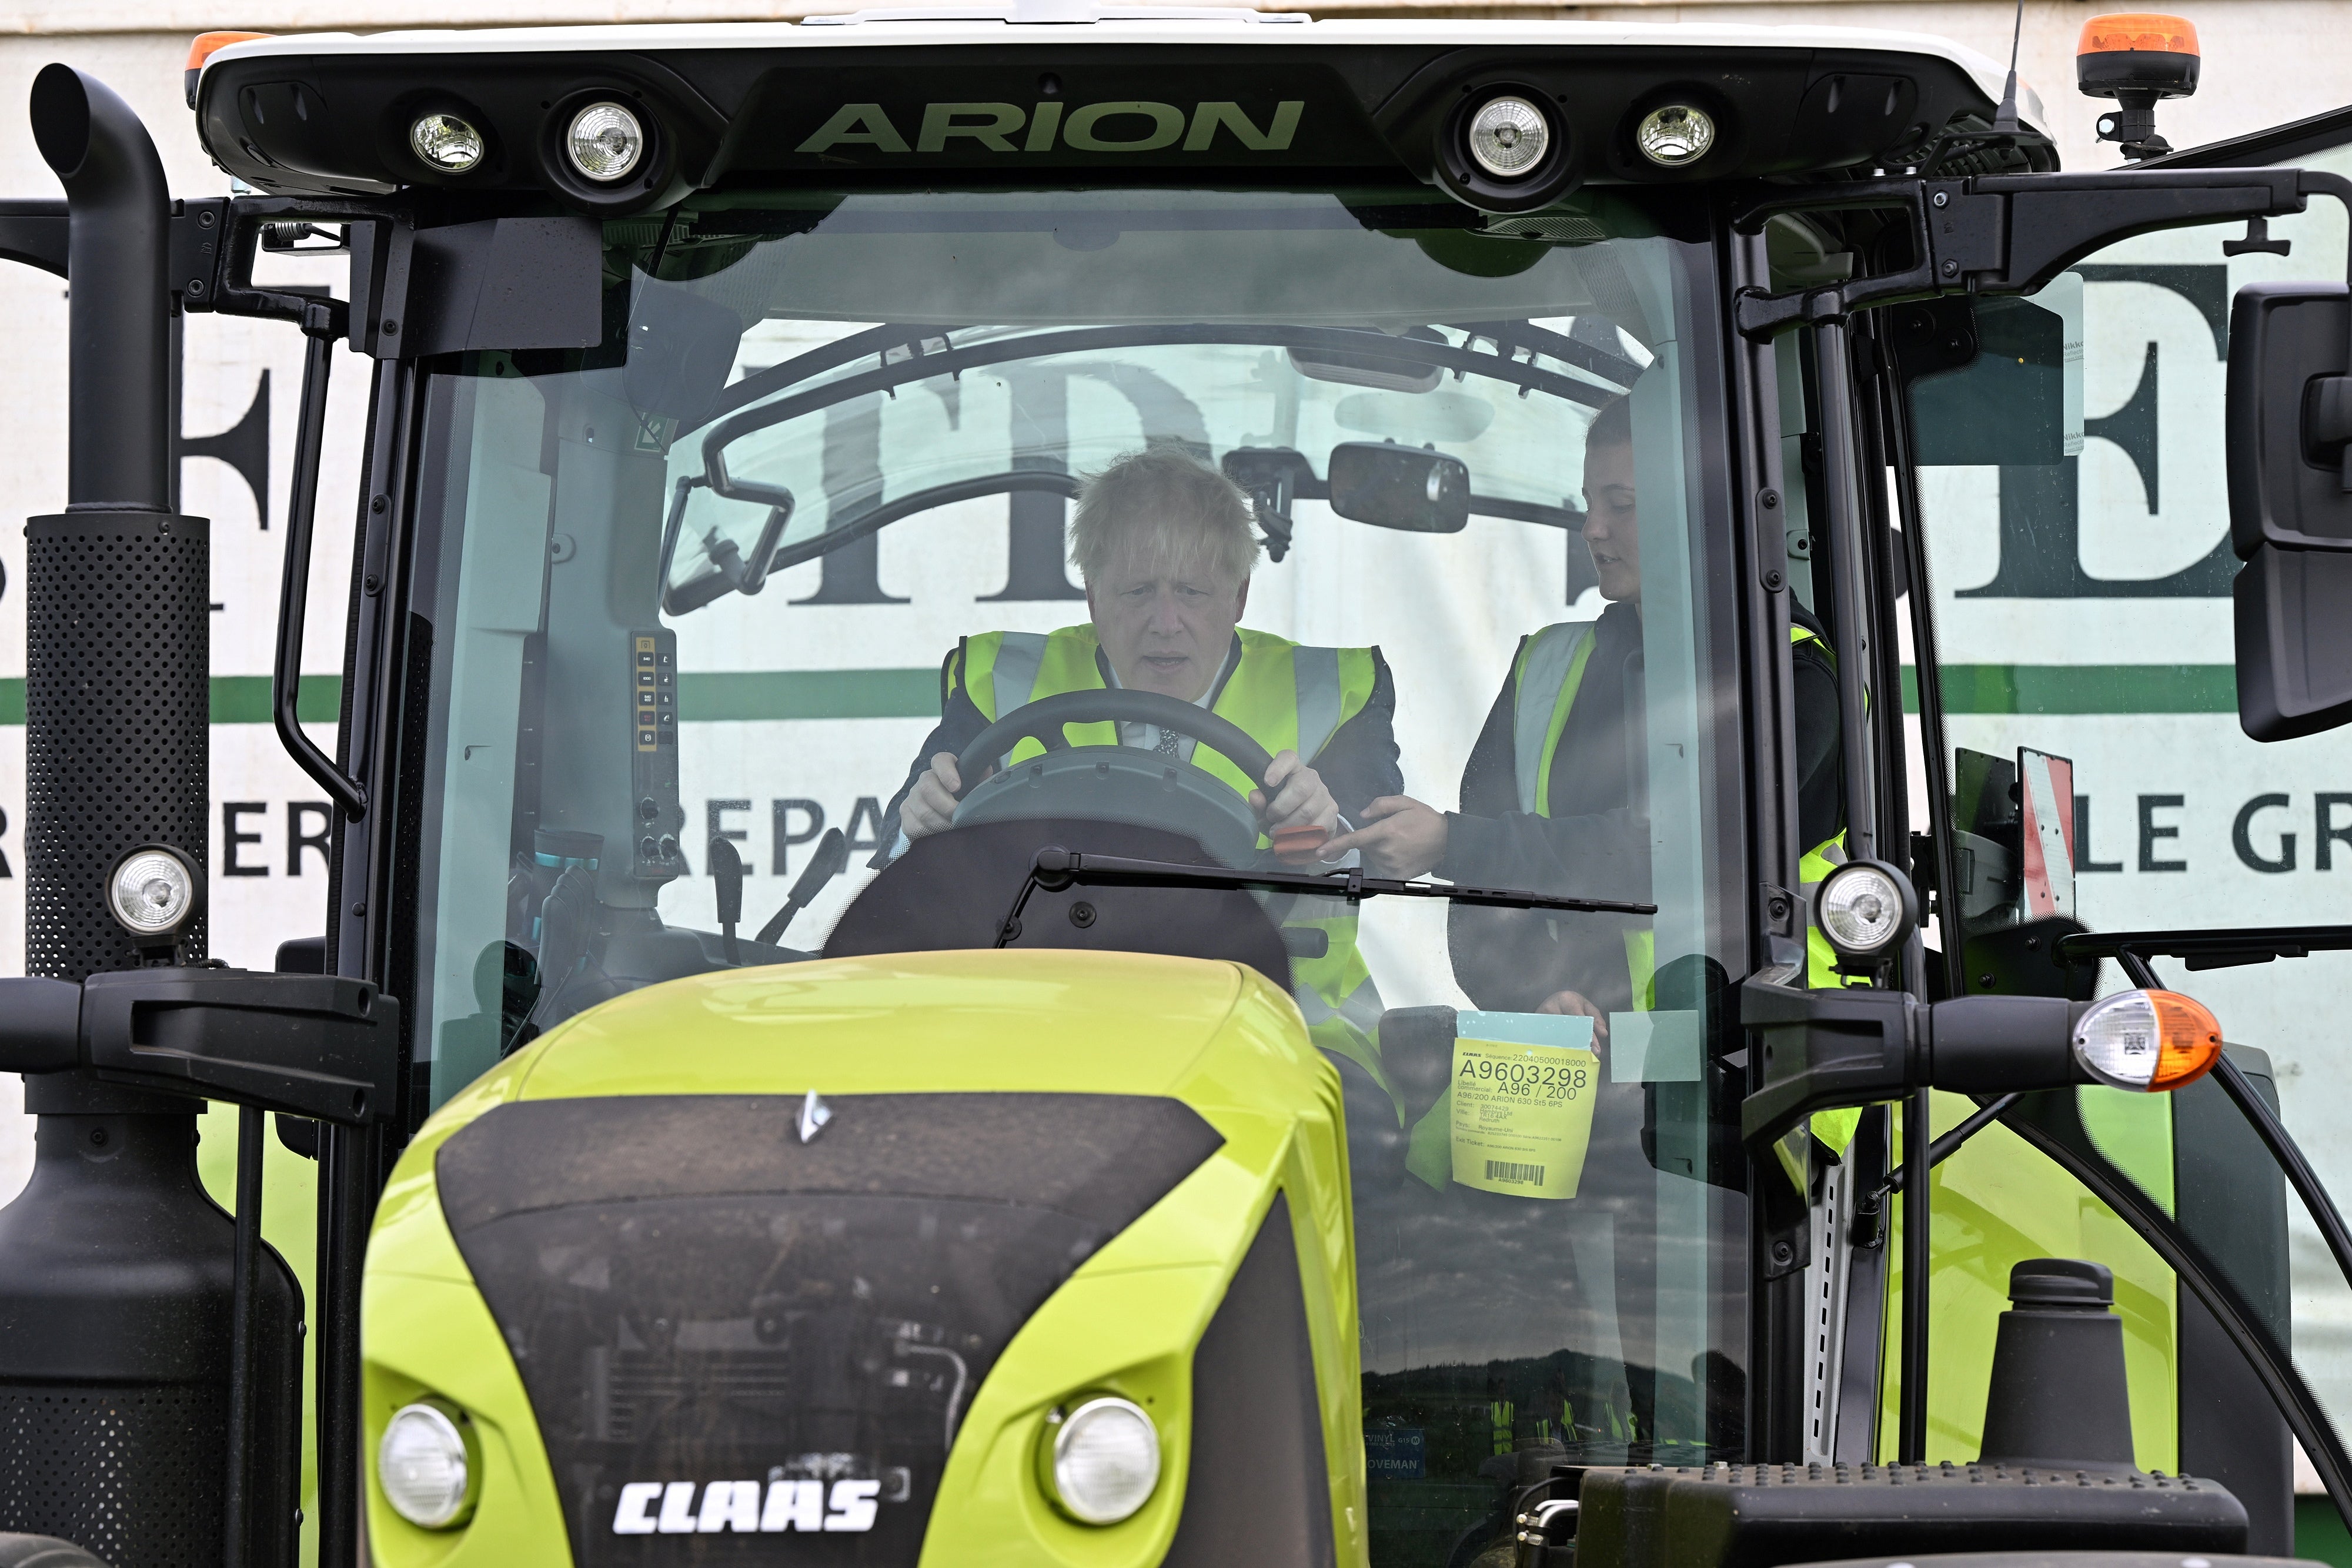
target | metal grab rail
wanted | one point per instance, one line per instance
(323, 323)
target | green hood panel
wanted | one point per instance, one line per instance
(1078, 1149)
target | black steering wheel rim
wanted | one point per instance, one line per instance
(1043, 720)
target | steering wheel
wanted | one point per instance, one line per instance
(1117, 783)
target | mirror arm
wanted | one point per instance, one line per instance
(2011, 234)
(1273, 518)
(1826, 1049)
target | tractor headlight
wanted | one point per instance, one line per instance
(1674, 135)
(425, 1468)
(153, 893)
(1865, 909)
(448, 144)
(1508, 136)
(605, 142)
(1102, 1459)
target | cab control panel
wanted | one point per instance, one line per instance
(653, 851)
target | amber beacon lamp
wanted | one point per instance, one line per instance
(2136, 57)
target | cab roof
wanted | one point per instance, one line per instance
(730, 100)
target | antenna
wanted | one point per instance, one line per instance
(2004, 118)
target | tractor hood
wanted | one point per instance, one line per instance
(773, 1252)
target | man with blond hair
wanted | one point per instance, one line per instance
(1165, 546)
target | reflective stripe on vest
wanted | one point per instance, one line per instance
(1546, 677)
(1834, 1128)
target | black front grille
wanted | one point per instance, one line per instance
(717, 1324)
(631, 1392)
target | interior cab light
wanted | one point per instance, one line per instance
(203, 49)
(2151, 1041)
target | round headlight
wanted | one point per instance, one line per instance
(1864, 908)
(1674, 135)
(1508, 136)
(446, 142)
(605, 142)
(421, 1465)
(2147, 1040)
(152, 893)
(1105, 1461)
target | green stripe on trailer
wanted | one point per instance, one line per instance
(739, 696)
(237, 699)
(244, 699)
(809, 693)
(753, 695)
(2081, 688)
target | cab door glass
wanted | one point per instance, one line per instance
(2071, 482)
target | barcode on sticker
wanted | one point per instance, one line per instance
(1508, 1170)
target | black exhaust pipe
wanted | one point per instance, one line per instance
(120, 218)
(117, 1273)
(118, 689)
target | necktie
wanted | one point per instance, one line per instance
(1167, 742)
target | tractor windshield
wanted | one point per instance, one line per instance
(1337, 523)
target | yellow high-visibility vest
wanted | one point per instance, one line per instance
(1546, 678)
(1286, 697)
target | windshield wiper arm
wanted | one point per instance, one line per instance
(1056, 868)
(2210, 947)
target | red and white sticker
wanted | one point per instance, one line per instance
(2046, 832)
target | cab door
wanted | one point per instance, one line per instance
(2060, 457)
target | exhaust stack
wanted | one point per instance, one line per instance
(117, 1274)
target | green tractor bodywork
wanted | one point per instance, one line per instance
(925, 1031)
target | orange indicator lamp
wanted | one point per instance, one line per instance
(2150, 1040)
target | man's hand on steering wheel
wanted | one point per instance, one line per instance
(1295, 797)
(929, 807)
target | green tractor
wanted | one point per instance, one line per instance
(1315, 644)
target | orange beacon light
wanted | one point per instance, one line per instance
(2136, 57)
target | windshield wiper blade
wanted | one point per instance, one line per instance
(1056, 868)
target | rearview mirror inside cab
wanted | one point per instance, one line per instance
(1405, 487)
(2289, 440)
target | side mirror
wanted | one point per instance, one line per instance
(2289, 440)
(1409, 488)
